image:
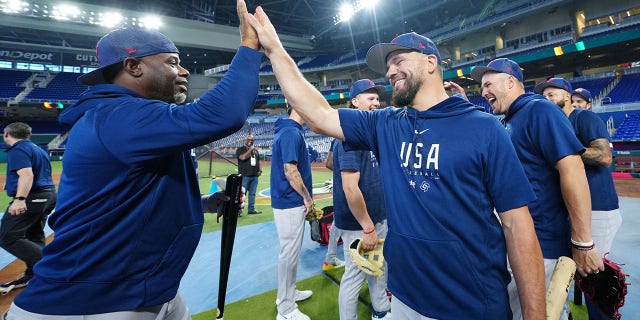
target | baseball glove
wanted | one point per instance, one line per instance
(605, 289)
(370, 262)
(314, 214)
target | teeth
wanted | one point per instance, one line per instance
(491, 100)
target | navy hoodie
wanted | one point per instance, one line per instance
(129, 215)
(444, 170)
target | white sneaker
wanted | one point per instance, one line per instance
(387, 316)
(299, 296)
(293, 315)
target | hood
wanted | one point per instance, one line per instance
(90, 99)
(521, 101)
(447, 108)
(285, 123)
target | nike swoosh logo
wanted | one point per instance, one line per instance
(421, 132)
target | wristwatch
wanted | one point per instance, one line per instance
(19, 198)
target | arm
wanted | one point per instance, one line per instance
(303, 97)
(575, 191)
(245, 155)
(358, 207)
(598, 153)
(329, 163)
(295, 180)
(25, 181)
(525, 258)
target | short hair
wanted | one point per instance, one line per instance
(18, 130)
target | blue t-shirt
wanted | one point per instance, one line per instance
(542, 135)
(288, 147)
(588, 127)
(25, 154)
(370, 185)
(445, 170)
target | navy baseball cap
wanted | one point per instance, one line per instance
(584, 93)
(120, 44)
(377, 54)
(500, 65)
(559, 83)
(362, 86)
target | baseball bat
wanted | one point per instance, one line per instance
(230, 212)
(559, 285)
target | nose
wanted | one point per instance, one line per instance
(391, 71)
(484, 92)
(183, 72)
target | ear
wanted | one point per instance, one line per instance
(133, 67)
(432, 63)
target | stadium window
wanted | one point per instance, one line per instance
(36, 67)
(6, 64)
(88, 69)
(71, 69)
(53, 68)
(22, 66)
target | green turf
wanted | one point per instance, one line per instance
(322, 305)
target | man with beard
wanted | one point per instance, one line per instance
(550, 154)
(446, 164)
(129, 213)
(593, 134)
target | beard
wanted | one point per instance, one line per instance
(404, 97)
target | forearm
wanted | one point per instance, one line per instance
(358, 208)
(598, 153)
(525, 258)
(304, 97)
(295, 181)
(575, 192)
(25, 182)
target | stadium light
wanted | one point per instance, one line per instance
(65, 12)
(346, 12)
(13, 6)
(349, 10)
(110, 19)
(150, 22)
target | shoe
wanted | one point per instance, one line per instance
(299, 296)
(293, 315)
(381, 315)
(22, 281)
(331, 264)
(254, 212)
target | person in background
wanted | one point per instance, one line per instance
(359, 211)
(129, 214)
(331, 260)
(249, 167)
(550, 154)
(581, 98)
(447, 165)
(291, 200)
(597, 158)
(29, 183)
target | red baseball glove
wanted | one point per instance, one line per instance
(605, 289)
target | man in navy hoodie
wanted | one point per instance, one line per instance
(446, 164)
(129, 213)
(550, 154)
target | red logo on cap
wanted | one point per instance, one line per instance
(130, 50)
(421, 46)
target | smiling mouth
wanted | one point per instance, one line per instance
(491, 100)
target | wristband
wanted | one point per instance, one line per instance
(584, 246)
(369, 232)
(581, 244)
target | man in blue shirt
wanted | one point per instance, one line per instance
(129, 215)
(359, 211)
(550, 154)
(291, 199)
(30, 185)
(446, 165)
(597, 158)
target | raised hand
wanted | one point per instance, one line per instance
(266, 32)
(248, 35)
